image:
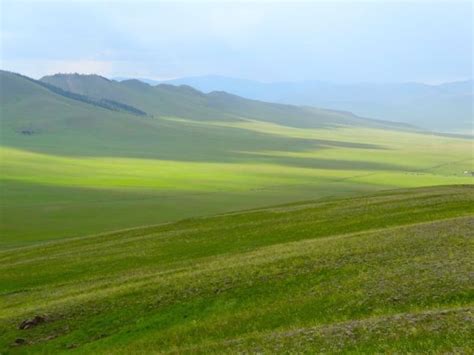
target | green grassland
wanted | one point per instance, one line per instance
(123, 231)
(85, 169)
(386, 272)
(53, 196)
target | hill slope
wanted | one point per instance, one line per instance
(39, 119)
(385, 272)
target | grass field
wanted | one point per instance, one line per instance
(47, 195)
(388, 272)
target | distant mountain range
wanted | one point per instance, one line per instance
(445, 107)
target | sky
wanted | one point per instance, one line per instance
(337, 41)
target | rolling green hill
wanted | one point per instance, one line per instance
(388, 272)
(186, 102)
(72, 167)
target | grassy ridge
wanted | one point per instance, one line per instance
(387, 272)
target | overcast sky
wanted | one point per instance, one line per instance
(339, 41)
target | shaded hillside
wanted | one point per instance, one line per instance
(10, 85)
(381, 273)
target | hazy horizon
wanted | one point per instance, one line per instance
(148, 80)
(217, 76)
